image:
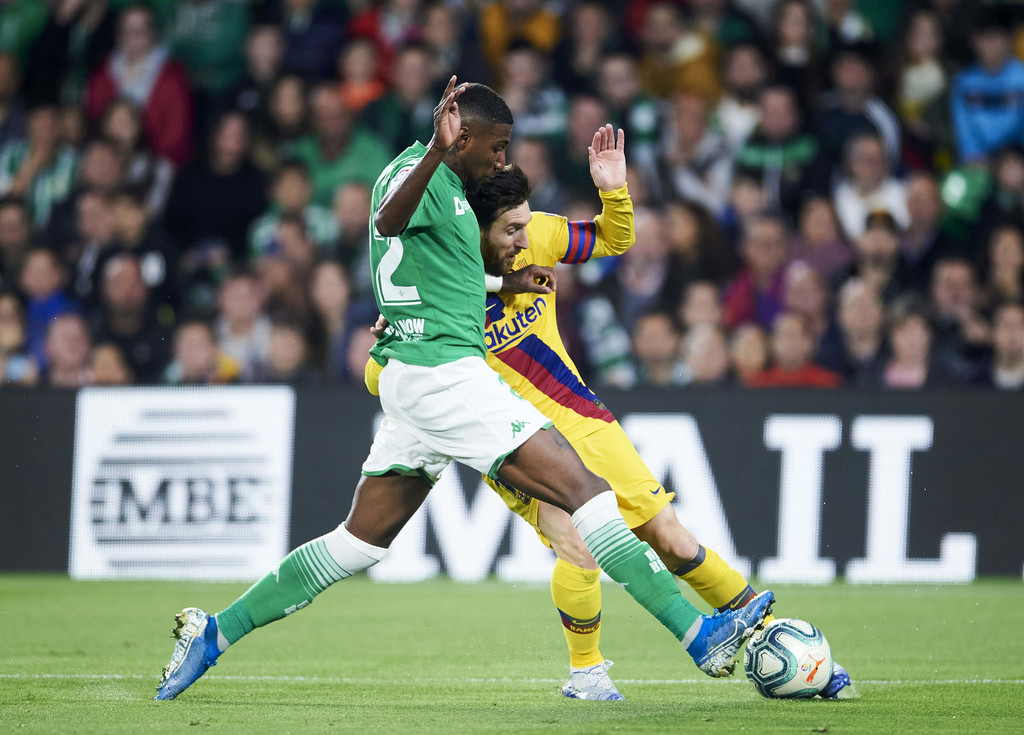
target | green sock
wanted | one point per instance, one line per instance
(634, 564)
(302, 575)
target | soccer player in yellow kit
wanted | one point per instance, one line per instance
(525, 347)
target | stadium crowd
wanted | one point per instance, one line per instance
(827, 192)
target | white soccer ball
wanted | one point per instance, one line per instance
(789, 659)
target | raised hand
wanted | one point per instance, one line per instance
(447, 121)
(608, 160)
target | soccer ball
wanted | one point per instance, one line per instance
(789, 659)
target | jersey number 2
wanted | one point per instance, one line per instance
(389, 292)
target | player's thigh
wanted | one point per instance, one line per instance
(463, 410)
(553, 525)
(609, 453)
(547, 467)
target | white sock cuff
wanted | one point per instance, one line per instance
(595, 513)
(352, 554)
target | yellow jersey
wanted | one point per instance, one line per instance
(521, 331)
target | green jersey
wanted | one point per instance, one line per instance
(429, 280)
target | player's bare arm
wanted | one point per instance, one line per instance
(397, 208)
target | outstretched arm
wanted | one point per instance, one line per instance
(399, 205)
(614, 226)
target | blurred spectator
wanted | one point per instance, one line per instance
(780, 155)
(868, 186)
(697, 250)
(136, 234)
(242, 329)
(107, 366)
(16, 365)
(141, 70)
(42, 281)
(755, 294)
(806, 293)
(538, 105)
(853, 108)
(12, 108)
(846, 24)
(922, 85)
(747, 199)
(330, 294)
(589, 42)
(285, 298)
(388, 25)
(91, 241)
(586, 114)
(739, 110)
(700, 306)
(67, 352)
(288, 359)
(264, 50)
(293, 245)
(722, 20)
(290, 194)
(1004, 278)
(705, 356)
(641, 281)
(15, 238)
(505, 21)
(657, 346)
(360, 74)
(1005, 202)
(357, 349)
(793, 348)
(406, 112)
(313, 34)
(443, 33)
(141, 168)
(337, 151)
(215, 199)
(1007, 369)
(859, 356)
(286, 122)
(100, 169)
(959, 328)
(675, 58)
(208, 37)
(795, 51)
(817, 241)
(911, 364)
(533, 156)
(924, 243)
(127, 318)
(196, 360)
(20, 24)
(877, 258)
(639, 115)
(39, 168)
(698, 166)
(988, 97)
(748, 352)
(352, 213)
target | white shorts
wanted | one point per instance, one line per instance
(461, 410)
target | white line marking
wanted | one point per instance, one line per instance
(497, 680)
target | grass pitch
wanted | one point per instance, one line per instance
(440, 657)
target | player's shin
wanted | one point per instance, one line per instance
(634, 565)
(302, 575)
(577, 595)
(715, 581)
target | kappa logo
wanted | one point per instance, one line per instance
(461, 206)
(518, 426)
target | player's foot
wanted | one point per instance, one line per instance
(839, 686)
(591, 683)
(723, 634)
(195, 652)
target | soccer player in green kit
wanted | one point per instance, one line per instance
(442, 402)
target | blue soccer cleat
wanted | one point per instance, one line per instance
(592, 682)
(194, 653)
(839, 686)
(722, 635)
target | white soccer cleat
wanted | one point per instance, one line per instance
(592, 682)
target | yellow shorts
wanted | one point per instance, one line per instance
(610, 454)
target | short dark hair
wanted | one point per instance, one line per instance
(493, 197)
(480, 102)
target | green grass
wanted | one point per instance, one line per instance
(487, 658)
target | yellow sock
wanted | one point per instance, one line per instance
(716, 582)
(577, 595)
